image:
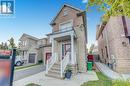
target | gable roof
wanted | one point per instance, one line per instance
(65, 5)
(28, 36)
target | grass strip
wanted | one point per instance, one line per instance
(103, 81)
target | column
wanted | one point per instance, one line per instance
(52, 47)
(72, 50)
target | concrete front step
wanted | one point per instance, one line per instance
(54, 75)
(57, 63)
(54, 71)
(55, 68)
(58, 66)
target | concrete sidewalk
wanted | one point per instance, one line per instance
(110, 73)
(42, 80)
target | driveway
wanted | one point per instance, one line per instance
(22, 73)
(42, 80)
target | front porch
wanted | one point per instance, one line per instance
(63, 52)
(62, 43)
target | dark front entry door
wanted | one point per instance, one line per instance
(65, 48)
(48, 56)
(32, 58)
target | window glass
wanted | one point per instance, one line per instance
(65, 12)
(66, 26)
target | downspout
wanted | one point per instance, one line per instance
(125, 26)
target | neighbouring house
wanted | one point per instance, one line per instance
(45, 49)
(68, 42)
(95, 50)
(33, 50)
(114, 43)
(28, 48)
(95, 53)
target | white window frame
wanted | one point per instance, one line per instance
(65, 12)
(24, 43)
(64, 23)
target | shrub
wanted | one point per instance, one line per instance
(40, 61)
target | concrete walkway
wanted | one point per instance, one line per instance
(110, 73)
(42, 80)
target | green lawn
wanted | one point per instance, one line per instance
(103, 81)
(22, 67)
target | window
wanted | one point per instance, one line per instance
(106, 51)
(102, 53)
(65, 12)
(66, 25)
(128, 38)
(24, 43)
(23, 54)
(102, 35)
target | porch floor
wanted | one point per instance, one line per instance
(42, 80)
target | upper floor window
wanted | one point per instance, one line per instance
(67, 25)
(65, 12)
(24, 43)
(102, 35)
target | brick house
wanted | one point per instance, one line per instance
(30, 48)
(65, 45)
(69, 39)
(114, 43)
(45, 49)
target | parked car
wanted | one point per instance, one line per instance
(19, 61)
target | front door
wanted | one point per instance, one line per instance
(48, 56)
(65, 48)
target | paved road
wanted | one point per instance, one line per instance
(22, 73)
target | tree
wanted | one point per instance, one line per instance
(11, 43)
(2, 45)
(91, 48)
(5, 46)
(111, 7)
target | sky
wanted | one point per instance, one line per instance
(33, 17)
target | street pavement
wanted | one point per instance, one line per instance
(22, 73)
(43, 80)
